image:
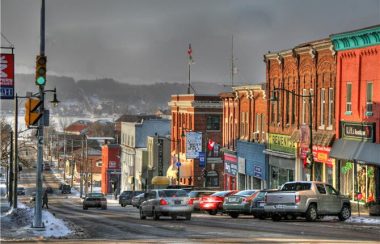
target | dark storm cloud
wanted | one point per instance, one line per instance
(145, 41)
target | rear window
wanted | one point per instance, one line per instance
(220, 194)
(172, 193)
(95, 195)
(245, 193)
(298, 186)
(126, 193)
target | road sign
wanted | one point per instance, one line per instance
(202, 159)
(178, 164)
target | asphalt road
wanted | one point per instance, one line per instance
(123, 224)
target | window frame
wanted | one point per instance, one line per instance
(330, 109)
(369, 102)
(348, 98)
(323, 104)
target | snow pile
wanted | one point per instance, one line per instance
(363, 220)
(53, 227)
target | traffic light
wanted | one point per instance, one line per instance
(31, 114)
(41, 70)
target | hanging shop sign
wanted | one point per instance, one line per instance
(358, 131)
(281, 143)
(7, 76)
(320, 153)
(230, 164)
(193, 144)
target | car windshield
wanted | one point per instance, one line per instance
(173, 193)
(296, 186)
(245, 193)
(140, 195)
(220, 193)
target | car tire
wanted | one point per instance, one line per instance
(312, 213)
(155, 215)
(212, 212)
(174, 217)
(142, 216)
(262, 216)
(234, 215)
(276, 217)
(123, 205)
(345, 213)
(188, 216)
(85, 208)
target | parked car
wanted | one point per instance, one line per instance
(95, 200)
(309, 199)
(214, 203)
(165, 202)
(195, 196)
(125, 197)
(239, 203)
(258, 203)
(20, 191)
(186, 188)
(65, 189)
(137, 200)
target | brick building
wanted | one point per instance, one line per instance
(197, 114)
(358, 113)
(110, 168)
(244, 135)
(306, 69)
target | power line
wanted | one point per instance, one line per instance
(5, 38)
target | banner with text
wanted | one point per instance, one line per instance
(7, 76)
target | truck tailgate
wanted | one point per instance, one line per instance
(280, 198)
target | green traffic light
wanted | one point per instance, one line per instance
(41, 81)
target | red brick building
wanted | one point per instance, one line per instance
(358, 113)
(110, 168)
(244, 112)
(200, 114)
(307, 69)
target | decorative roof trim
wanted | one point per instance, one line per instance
(356, 39)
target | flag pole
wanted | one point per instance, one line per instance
(188, 87)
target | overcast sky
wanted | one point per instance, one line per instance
(146, 41)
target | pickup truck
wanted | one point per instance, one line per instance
(310, 199)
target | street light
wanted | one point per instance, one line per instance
(310, 157)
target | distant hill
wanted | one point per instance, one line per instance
(110, 96)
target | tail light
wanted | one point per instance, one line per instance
(191, 201)
(298, 199)
(163, 202)
(245, 200)
(265, 198)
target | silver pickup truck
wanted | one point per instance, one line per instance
(310, 199)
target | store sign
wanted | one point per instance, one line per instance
(230, 164)
(202, 159)
(281, 143)
(258, 172)
(7, 76)
(361, 131)
(320, 154)
(241, 165)
(193, 144)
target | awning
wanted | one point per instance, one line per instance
(367, 152)
(160, 180)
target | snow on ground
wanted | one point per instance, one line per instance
(358, 219)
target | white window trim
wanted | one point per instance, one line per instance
(323, 103)
(369, 113)
(348, 112)
(330, 109)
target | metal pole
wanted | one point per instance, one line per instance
(15, 157)
(188, 87)
(81, 170)
(311, 138)
(10, 181)
(178, 159)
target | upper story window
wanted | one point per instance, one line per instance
(323, 103)
(311, 93)
(304, 106)
(348, 98)
(213, 122)
(369, 101)
(331, 108)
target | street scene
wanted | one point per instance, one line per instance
(210, 121)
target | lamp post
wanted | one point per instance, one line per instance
(310, 157)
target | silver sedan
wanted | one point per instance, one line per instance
(165, 202)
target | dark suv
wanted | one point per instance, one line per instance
(65, 189)
(125, 197)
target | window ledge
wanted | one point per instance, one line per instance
(348, 113)
(322, 127)
(330, 127)
(368, 113)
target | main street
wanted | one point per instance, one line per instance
(118, 223)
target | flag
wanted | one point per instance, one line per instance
(210, 144)
(190, 53)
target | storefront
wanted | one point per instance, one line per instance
(282, 159)
(252, 165)
(358, 162)
(230, 171)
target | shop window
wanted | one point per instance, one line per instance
(329, 174)
(348, 99)
(213, 122)
(212, 179)
(369, 102)
(318, 171)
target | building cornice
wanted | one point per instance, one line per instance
(356, 39)
(196, 104)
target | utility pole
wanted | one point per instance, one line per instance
(37, 221)
(10, 181)
(15, 156)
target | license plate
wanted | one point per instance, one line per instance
(279, 206)
(177, 202)
(262, 204)
(234, 199)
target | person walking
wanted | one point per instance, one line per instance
(45, 200)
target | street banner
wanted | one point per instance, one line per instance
(193, 144)
(202, 159)
(7, 76)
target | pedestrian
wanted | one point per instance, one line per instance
(45, 200)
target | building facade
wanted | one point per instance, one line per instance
(358, 114)
(194, 115)
(110, 168)
(292, 76)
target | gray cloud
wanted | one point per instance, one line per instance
(145, 41)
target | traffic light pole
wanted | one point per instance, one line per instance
(37, 221)
(15, 154)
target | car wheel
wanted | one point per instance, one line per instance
(234, 215)
(174, 217)
(188, 216)
(123, 205)
(213, 212)
(85, 208)
(276, 217)
(311, 213)
(345, 213)
(262, 216)
(142, 216)
(155, 215)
